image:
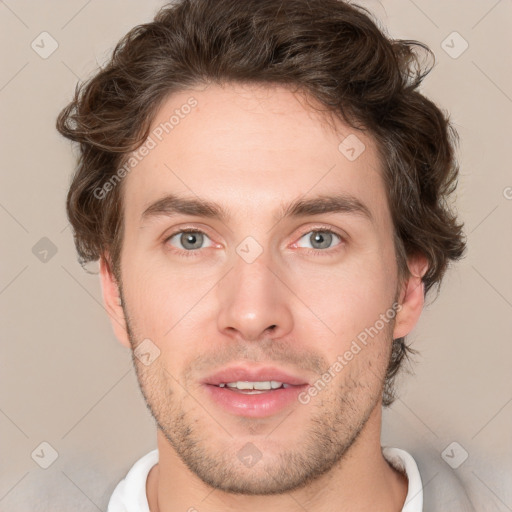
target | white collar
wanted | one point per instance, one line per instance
(403, 462)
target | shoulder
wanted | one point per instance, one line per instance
(442, 488)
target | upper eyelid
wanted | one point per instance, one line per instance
(320, 229)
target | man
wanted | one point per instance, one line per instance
(265, 189)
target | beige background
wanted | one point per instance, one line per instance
(66, 381)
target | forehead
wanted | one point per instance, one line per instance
(250, 148)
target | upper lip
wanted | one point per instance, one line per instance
(261, 374)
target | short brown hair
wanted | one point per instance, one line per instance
(328, 49)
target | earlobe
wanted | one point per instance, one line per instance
(112, 301)
(411, 298)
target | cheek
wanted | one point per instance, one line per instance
(148, 301)
(170, 306)
(347, 298)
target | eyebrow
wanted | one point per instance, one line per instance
(172, 205)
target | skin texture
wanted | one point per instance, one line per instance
(253, 149)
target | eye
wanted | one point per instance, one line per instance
(320, 238)
(189, 239)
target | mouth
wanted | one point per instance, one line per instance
(254, 392)
(254, 388)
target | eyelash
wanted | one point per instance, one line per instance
(313, 252)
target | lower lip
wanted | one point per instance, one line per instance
(254, 405)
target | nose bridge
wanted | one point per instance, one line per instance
(251, 298)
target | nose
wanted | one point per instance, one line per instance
(254, 301)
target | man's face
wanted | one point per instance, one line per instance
(208, 299)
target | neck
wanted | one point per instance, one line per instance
(360, 480)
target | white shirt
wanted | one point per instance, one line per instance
(130, 493)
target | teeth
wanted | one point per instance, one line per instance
(264, 385)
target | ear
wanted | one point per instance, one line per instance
(411, 298)
(112, 300)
